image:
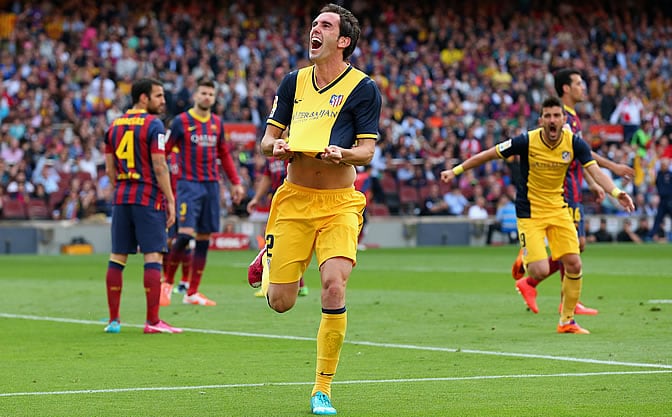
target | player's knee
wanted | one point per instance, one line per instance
(538, 270)
(282, 297)
(572, 263)
(182, 241)
(281, 304)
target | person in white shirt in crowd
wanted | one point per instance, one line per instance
(628, 113)
(478, 211)
(456, 202)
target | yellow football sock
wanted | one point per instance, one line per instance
(265, 274)
(330, 338)
(571, 290)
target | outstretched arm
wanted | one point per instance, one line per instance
(609, 186)
(473, 162)
(594, 187)
(621, 170)
(261, 190)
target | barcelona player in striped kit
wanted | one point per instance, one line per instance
(199, 136)
(143, 205)
(571, 89)
(170, 264)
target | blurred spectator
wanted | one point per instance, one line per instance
(47, 177)
(70, 207)
(478, 211)
(627, 234)
(643, 229)
(87, 199)
(457, 203)
(419, 179)
(628, 113)
(506, 221)
(5, 175)
(86, 163)
(40, 194)
(434, 204)
(104, 195)
(664, 187)
(601, 234)
(3, 196)
(20, 184)
(12, 153)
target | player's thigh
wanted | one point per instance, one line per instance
(208, 220)
(562, 237)
(290, 237)
(337, 236)
(532, 236)
(150, 229)
(289, 248)
(123, 230)
(189, 202)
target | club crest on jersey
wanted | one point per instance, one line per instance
(336, 100)
(566, 156)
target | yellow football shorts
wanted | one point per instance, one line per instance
(559, 231)
(302, 220)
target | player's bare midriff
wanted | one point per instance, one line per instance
(311, 172)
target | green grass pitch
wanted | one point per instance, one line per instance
(432, 332)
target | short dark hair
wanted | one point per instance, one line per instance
(564, 77)
(551, 101)
(349, 26)
(205, 82)
(143, 86)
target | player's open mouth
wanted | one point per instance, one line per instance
(315, 43)
(553, 129)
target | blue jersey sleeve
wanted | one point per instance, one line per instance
(283, 105)
(517, 145)
(581, 150)
(367, 109)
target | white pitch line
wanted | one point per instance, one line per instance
(471, 269)
(660, 301)
(365, 343)
(353, 382)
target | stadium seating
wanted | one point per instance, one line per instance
(38, 210)
(14, 209)
(378, 210)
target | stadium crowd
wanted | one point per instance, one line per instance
(456, 78)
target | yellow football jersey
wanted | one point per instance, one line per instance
(338, 114)
(543, 167)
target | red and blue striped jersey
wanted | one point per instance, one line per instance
(574, 177)
(173, 167)
(276, 170)
(201, 142)
(132, 139)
